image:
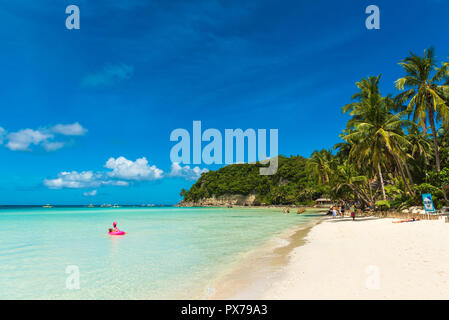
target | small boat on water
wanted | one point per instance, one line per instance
(91, 206)
(47, 206)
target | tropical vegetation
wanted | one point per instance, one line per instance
(394, 148)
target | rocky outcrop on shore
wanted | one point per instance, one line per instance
(222, 201)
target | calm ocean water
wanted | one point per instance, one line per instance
(167, 253)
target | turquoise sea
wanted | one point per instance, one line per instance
(168, 252)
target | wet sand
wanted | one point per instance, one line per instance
(260, 267)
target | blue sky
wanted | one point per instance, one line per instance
(87, 114)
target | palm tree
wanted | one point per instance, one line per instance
(419, 142)
(320, 164)
(420, 149)
(343, 148)
(306, 193)
(374, 131)
(345, 175)
(426, 93)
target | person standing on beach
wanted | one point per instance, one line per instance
(353, 215)
(334, 212)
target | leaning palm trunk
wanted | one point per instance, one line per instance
(407, 169)
(435, 146)
(435, 141)
(370, 192)
(401, 172)
(360, 195)
(381, 181)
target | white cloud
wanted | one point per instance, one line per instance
(21, 140)
(52, 146)
(73, 179)
(123, 168)
(109, 75)
(123, 171)
(78, 180)
(2, 134)
(74, 129)
(121, 183)
(90, 193)
(186, 172)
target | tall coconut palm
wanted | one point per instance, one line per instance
(374, 131)
(426, 93)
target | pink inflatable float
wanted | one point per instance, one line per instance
(116, 233)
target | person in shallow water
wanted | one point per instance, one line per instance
(114, 229)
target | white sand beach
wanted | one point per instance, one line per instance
(369, 258)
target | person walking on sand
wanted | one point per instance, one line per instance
(334, 212)
(353, 215)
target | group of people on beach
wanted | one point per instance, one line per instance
(299, 211)
(339, 210)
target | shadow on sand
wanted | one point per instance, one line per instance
(357, 219)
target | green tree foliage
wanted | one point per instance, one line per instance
(291, 184)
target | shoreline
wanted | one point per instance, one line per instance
(239, 206)
(249, 274)
(370, 258)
